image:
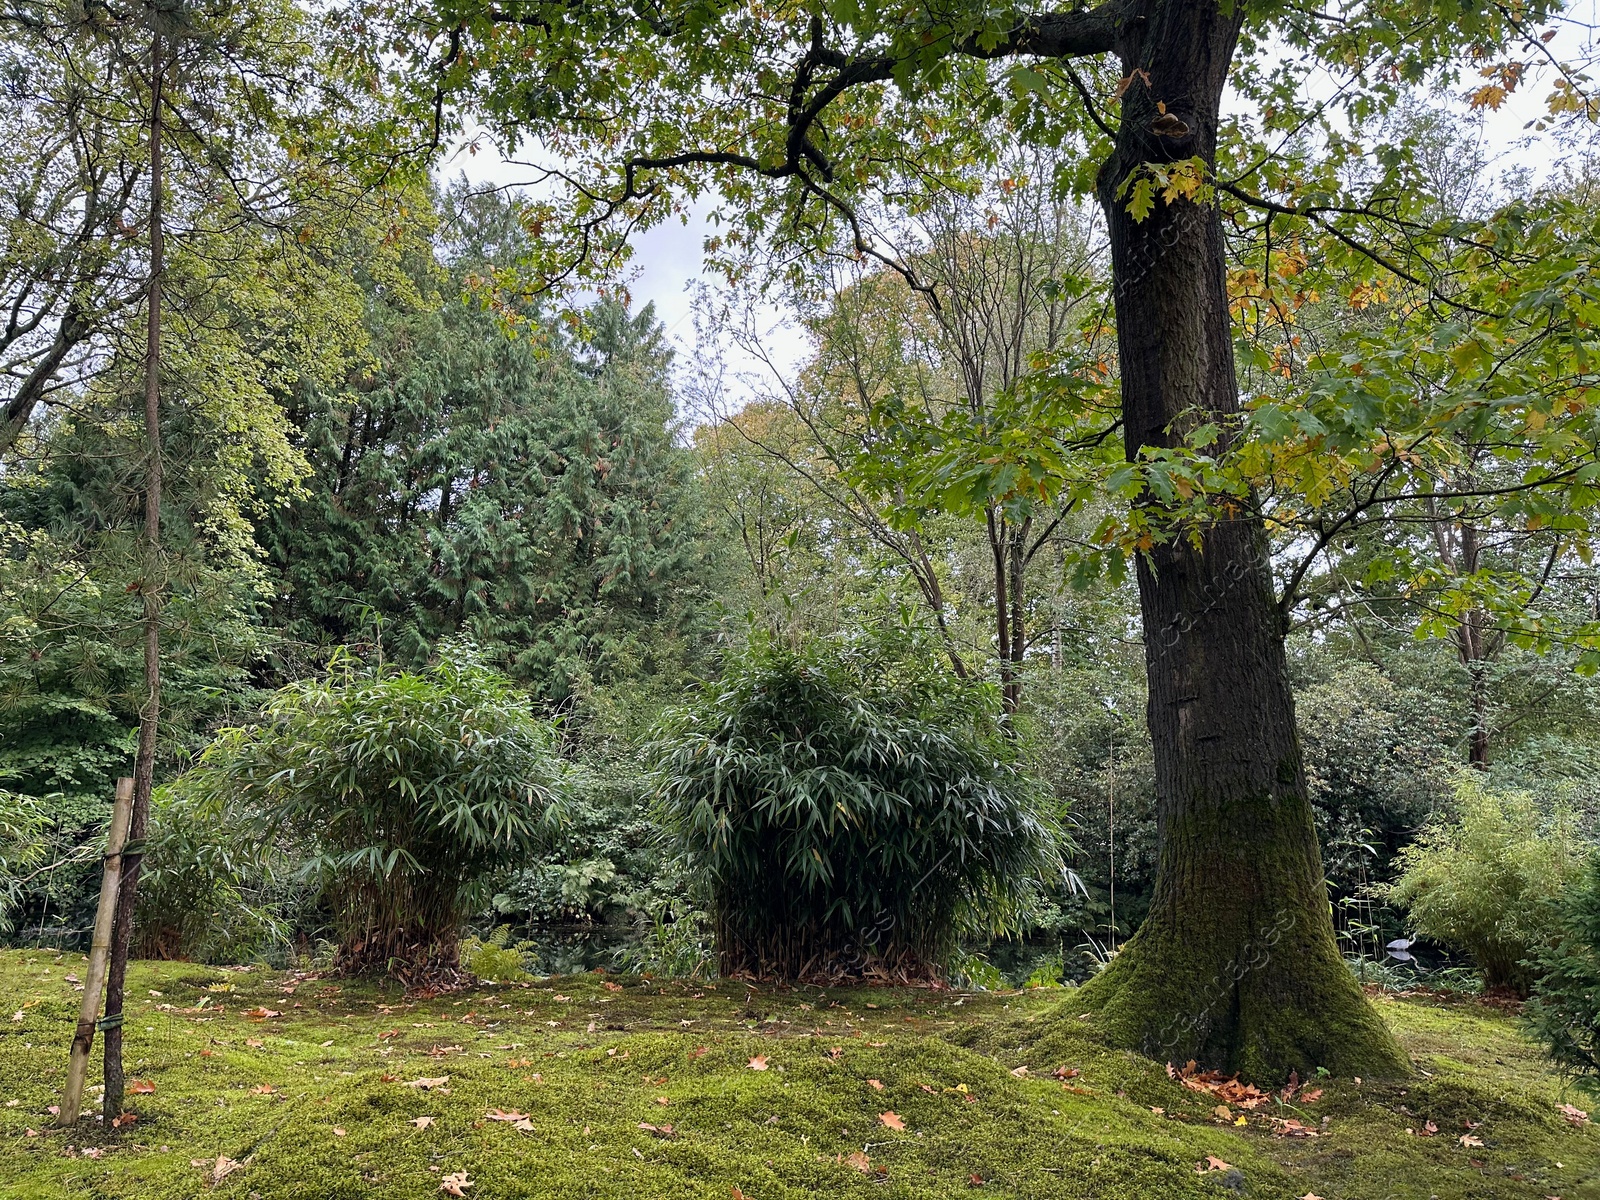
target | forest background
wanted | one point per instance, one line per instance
(381, 448)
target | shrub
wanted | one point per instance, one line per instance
(411, 791)
(608, 864)
(1565, 1010)
(23, 823)
(494, 958)
(1482, 880)
(848, 815)
(209, 888)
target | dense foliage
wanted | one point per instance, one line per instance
(1565, 1010)
(1483, 879)
(520, 486)
(408, 791)
(847, 815)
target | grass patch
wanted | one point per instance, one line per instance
(590, 1059)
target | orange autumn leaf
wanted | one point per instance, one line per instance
(141, 1087)
(875, 1085)
(758, 1063)
(892, 1120)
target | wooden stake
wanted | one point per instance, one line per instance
(99, 952)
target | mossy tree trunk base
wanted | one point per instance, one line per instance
(1260, 993)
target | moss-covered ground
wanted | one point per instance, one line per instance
(322, 1098)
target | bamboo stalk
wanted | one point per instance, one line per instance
(99, 953)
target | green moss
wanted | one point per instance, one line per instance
(783, 1132)
(1292, 1006)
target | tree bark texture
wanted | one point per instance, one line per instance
(150, 592)
(1236, 966)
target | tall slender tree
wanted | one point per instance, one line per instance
(150, 587)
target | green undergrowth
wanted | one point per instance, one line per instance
(316, 1101)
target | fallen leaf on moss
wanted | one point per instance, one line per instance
(1020, 1072)
(253, 1043)
(1064, 1072)
(500, 1114)
(456, 1184)
(1311, 1097)
(758, 1063)
(875, 1084)
(219, 1170)
(1573, 1114)
(1289, 1127)
(261, 1014)
(892, 1120)
(1212, 1163)
(435, 1083)
(663, 1131)
(422, 1122)
(141, 1087)
(262, 1089)
(1466, 1139)
(860, 1162)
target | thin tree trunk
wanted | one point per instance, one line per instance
(1473, 643)
(1017, 565)
(1236, 965)
(1002, 618)
(150, 591)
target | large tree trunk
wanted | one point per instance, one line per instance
(1236, 965)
